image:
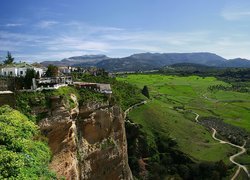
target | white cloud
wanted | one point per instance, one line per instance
(78, 38)
(236, 15)
(13, 25)
(47, 24)
(236, 11)
(75, 43)
(50, 55)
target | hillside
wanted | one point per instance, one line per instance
(237, 62)
(86, 60)
(149, 61)
(128, 64)
(172, 110)
(187, 67)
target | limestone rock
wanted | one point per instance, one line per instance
(88, 142)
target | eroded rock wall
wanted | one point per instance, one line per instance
(60, 129)
(102, 143)
(88, 142)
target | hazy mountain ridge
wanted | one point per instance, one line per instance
(149, 61)
(89, 60)
(173, 58)
(237, 62)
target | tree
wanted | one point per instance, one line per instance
(52, 71)
(30, 74)
(221, 167)
(145, 91)
(9, 58)
(21, 155)
(38, 75)
(184, 171)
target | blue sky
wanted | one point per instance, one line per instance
(55, 29)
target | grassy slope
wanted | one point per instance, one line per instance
(172, 91)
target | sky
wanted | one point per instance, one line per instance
(38, 30)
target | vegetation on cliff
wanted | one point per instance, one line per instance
(124, 94)
(23, 152)
(36, 105)
(158, 145)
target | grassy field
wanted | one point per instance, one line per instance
(169, 111)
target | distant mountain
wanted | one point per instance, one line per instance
(1, 59)
(188, 68)
(174, 58)
(149, 61)
(127, 64)
(237, 62)
(86, 60)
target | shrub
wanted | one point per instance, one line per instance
(21, 157)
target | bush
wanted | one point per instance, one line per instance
(21, 157)
(124, 94)
(145, 91)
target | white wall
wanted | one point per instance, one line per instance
(7, 71)
(17, 71)
(39, 70)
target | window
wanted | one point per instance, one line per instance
(10, 73)
(21, 72)
(5, 73)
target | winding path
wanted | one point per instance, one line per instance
(210, 99)
(132, 107)
(197, 116)
(243, 150)
(232, 158)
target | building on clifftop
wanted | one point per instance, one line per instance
(18, 69)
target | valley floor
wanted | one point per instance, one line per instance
(174, 101)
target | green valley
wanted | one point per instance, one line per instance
(171, 109)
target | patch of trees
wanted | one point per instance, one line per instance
(52, 71)
(9, 59)
(204, 170)
(232, 133)
(235, 74)
(233, 87)
(161, 159)
(30, 74)
(27, 101)
(124, 94)
(226, 74)
(22, 154)
(145, 91)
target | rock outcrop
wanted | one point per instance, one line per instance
(88, 142)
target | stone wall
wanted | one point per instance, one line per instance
(7, 99)
(3, 84)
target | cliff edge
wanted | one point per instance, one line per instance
(88, 141)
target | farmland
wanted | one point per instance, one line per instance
(173, 99)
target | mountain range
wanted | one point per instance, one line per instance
(86, 60)
(149, 61)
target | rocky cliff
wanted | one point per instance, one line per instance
(88, 141)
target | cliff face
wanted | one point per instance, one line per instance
(87, 142)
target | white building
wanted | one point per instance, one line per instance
(18, 69)
(66, 69)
